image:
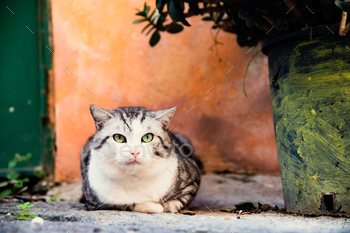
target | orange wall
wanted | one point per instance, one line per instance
(97, 41)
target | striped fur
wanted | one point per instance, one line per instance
(164, 178)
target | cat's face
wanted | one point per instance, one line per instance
(131, 139)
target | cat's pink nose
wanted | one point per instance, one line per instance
(133, 154)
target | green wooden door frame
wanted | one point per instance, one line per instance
(26, 58)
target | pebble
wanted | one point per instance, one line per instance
(38, 220)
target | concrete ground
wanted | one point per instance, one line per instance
(216, 191)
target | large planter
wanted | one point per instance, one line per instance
(310, 92)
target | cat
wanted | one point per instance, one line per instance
(134, 163)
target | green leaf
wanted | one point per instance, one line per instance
(226, 209)
(260, 22)
(26, 204)
(194, 8)
(152, 14)
(33, 216)
(12, 175)
(24, 212)
(54, 198)
(184, 22)
(175, 10)
(141, 13)
(265, 207)
(245, 12)
(29, 155)
(26, 179)
(12, 163)
(250, 22)
(4, 184)
(147, 10)
(208, 18)
(39, 173)
(5, 193)
(19, 217)
(154, 38)
(18, 157)
(344, 6)
(150, 30)
(146, 27)
(176, 28)
(161, 19)
(13, 181)
(245, 73)
(23, 158)
(160, 5)
(247, 205)
(31, 205)
(139, 21)
(19, 184)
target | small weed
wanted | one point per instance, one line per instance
(24, 214)
(14, 185)
(54, 198)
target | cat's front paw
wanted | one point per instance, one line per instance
(172, 206)
(149, 207)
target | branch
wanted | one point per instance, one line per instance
(343, 23)
(272, 22)
(218, 9)
(218, 1)
(344, 29)
(291, 5)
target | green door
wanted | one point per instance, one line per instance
(24, 61)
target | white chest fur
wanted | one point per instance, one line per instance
(121, 188)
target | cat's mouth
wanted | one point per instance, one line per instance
(133, 163)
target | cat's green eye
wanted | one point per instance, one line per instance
(119, 138)
(147, 137)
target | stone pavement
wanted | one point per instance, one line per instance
(216, 190)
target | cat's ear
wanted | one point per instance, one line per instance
(165, 115)
(100, 115)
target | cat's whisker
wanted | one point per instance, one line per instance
(103, 163)
(109, 164)
(123, 159)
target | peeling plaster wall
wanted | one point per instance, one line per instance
(97, 41)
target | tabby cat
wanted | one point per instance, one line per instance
(133, 162)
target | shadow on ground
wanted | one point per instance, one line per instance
(216, 191)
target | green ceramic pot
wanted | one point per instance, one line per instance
(309, 73)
